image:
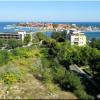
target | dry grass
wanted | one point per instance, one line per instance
(34, 89)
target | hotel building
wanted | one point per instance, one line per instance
(77, 38)
(20, 35)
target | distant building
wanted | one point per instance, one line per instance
(49, 26)
(18, 35)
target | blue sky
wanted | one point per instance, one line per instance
(50, 11)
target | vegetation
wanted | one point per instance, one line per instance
(14, 43)
(95, 43)
(1, 43)
(59, 36)
(11, 74)
(27, 39)
(40, 36)
(49, 62)
(4, 56)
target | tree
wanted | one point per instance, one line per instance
(1, 43)
(63, 34)
(73, 83)
(27, 39)
(40, 36)
(14, 43)
(55, 35)
(95, 43)
(59, 36)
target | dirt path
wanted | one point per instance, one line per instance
(31, 88)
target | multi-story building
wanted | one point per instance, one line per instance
(17, 35)
(77, 38)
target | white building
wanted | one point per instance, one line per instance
(78, 39)
(20, 35)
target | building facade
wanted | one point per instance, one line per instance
(78, 39)
(20, 35)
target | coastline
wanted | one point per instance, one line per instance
(89, 33)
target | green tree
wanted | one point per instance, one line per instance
(59, 36)
(63, 34)
(2, 43)
(14, 43)
(40, 36)
(27, 39)
(55, 35)
(73, 83)
(95, 43)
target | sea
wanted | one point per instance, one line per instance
(89, 35)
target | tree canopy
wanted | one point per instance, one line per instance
(27, 39)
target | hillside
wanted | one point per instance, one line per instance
(42, 70)
(30, 87)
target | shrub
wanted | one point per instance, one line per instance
(10, 74)
(14, 43)
(1, 43)
(52, 88)
(4, 56)
(27, 39)
(22, 52)
(82, 94)
(9, 78)
(40, 36)
(72, 82)
(47, 76)
(58, 73)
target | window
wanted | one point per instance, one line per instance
(76, 39)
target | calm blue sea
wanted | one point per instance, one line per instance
(80, 23)
(89, 35)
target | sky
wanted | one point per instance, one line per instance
(55, 11)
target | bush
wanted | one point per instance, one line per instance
(22, 52)
(27, 39)
(14, 43)
(58, 73)
(2, 43)
(95, 43)
(82, 94)
(73, 83)
(5, 56)
(47, 76)
(9, 78)
(10, 74)
(52, 88)
(40, 36)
